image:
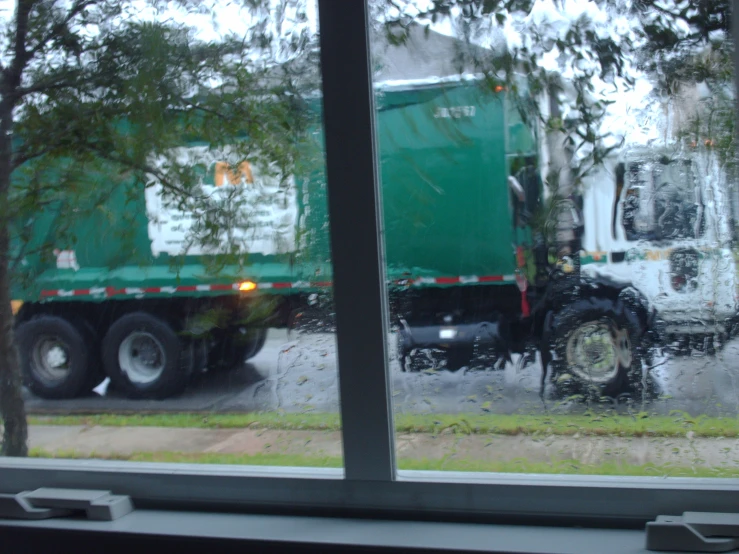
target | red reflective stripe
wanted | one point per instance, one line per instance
(222, 287)
(490, 278)
(112, 291)
(187, 288)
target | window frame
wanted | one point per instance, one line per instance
(369, 484)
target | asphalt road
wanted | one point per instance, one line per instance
(297, 373)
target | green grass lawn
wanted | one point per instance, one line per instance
(570, 467)
(675, 425)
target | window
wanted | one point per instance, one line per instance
(368, 278)
(146, 293)
(675, 207)
(469, 200)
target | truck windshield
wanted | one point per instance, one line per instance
(662, 201)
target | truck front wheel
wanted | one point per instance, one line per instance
(57, 357)
(144, 357)
(598, 346)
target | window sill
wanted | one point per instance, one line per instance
(198, 530)
(592, 501)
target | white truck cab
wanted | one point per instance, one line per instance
(660, 219)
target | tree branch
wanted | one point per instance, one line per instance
(202, 108)
(75, 10)
(20, 54)
(45, 85)
(156, 172)
(19, 158)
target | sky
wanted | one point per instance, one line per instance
(635, 114)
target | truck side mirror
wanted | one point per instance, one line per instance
(620, 177)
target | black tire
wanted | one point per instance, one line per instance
(233, 348)
(36, 337)
(413, 361)
(425, 359)
(156, 362)
(620, 371)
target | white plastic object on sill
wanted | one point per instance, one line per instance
(45, 503)
(694, 532)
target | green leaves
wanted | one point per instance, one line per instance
(108, 96)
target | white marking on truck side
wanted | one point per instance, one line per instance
(454, 112)
(66, 259)
(269, 202)
(170, 290)
(468, 279)
(202, 288)
(301, 285)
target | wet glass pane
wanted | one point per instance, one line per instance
(559, 194)
(170, 270)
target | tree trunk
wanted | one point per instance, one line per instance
(560, 173)
(12, 409)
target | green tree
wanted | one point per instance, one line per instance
(94, 93)
(599, 47)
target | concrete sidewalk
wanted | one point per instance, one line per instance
(91, 441)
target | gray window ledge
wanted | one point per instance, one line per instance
(350, 533)
(444, 496)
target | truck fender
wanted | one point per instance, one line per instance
(627, 294)
(634, 301)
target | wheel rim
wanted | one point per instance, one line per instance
(51, 359)
(141, 357)
(596, 350)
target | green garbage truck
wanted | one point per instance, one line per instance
(472, 278)
(115, 300)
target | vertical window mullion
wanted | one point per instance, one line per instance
(735, 54)
(355, 215)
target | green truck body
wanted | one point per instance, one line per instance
(445, 154)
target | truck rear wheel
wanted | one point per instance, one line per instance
(144, 357)
(234, 348)
(598, 347)
(56, 357)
